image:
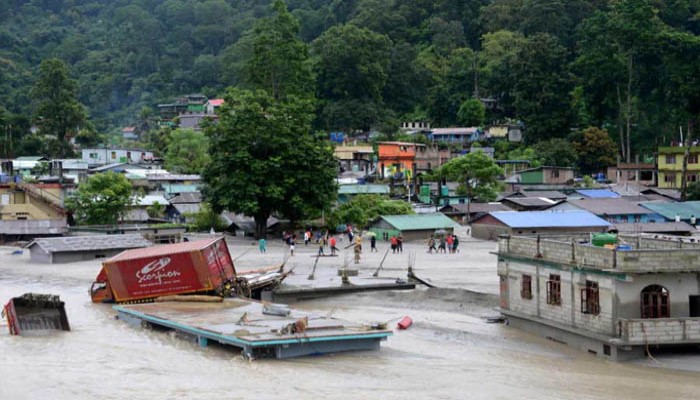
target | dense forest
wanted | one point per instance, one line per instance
(630, 67)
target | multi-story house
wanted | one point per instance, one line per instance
(617, 303)
(670, 165)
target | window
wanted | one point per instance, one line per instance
(554, 173)
(114, 155)
(590, 300)
(670, 159)
(624, 218)
(655, 302)
(526, 288)
(692, 177)
(692, 158)
(637, 218)
(554, 290)
(670, 178)
(646, 175)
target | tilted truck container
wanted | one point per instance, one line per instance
(202, 266)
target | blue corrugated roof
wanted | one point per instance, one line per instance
(597, 193)
(549, 219)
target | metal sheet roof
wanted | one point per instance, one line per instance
(659, 227)
(549, 219)
(547, 194)
(87, 243)
(474, 208)
(597, 193)
(609, 206)
(531, 201)
(670, 210)
(363, 189)
(416, 222)
(184, 198)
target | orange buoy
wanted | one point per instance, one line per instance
(405, 323)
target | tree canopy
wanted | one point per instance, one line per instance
(102, 199)
(187, 152)
(265, 159)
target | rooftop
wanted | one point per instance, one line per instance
(363, 189)
(87, 243)
(414, 222)
(670, 210)
(531, 201)
(609, 206)
(549, 219)
(474, 208)
(597, 193)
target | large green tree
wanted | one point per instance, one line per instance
(102, 199)
(352, 65)
(265, 159)
(595, 149)
(477, 172)
(280, 61)
(58, 111)
(187, 151)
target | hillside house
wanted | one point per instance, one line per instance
(103, 156)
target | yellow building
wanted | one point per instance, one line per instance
(24, 201)
(670, 166)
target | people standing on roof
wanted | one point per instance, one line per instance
(399, 243)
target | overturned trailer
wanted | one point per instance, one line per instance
(197, 267)
(34, 312)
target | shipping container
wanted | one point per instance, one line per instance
(35, 312)
(202, 266)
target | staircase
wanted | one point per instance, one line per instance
(47, 197)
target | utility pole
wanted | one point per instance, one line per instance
(684, 170)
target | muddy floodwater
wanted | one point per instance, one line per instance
(450, 352)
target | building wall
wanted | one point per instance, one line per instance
(670, 166)
(679, 285)
(481, 230)
(569, 312)
(107, 156)
(38, 255)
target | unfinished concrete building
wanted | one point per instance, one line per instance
(611, 302)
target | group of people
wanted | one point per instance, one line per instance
(446, 243)
(396, 244)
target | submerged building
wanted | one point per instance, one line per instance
(610, 302)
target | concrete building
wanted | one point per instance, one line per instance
(496, 223)
(640, 173)
(456, 134)
(610, 303)
(464, 213)
(103, 156)
(670, 165)
(541, 178)
(82, 248)
(413, 226)
(355, 158)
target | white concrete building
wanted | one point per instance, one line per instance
(614, 303)
(103, 156)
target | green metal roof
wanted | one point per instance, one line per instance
(416, 222)
(670, 210)
(363, 189)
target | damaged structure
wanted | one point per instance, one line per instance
(611, 302)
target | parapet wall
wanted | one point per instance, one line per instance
(584, 255)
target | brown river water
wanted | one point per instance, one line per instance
(449, 352)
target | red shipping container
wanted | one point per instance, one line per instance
(188, 267)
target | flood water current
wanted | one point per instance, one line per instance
(449, 353)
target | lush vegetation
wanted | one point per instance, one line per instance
(629, 67)
(102, 199)
(365, 208)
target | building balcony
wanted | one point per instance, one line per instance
(659, 330)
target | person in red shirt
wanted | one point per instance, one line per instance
(450, 240)
(331, 243)
(394, 243)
